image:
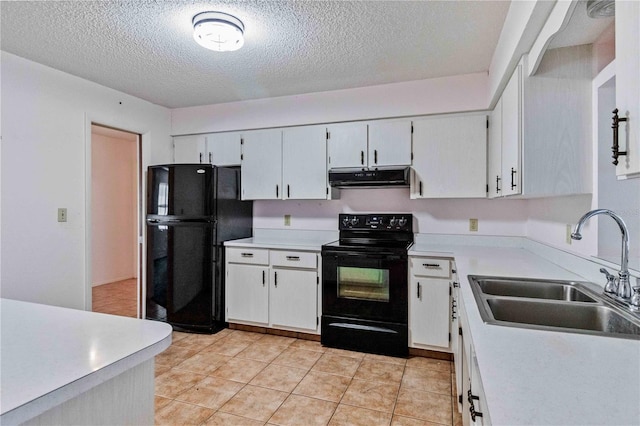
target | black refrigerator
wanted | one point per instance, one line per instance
(191, 210)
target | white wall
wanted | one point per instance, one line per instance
(433, 96)
(114, 198)
(45, 116)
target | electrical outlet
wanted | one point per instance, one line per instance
(473, 225)
(62, 215)
(568, 234)
(287, 220)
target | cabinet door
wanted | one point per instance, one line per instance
(304, 163)
(223, 149)
(450, 157)
(294, 299)
(429, 311)
(262, 165)
(189, 149)
(389, 143)
(512, 134)
(347, 145)
(247, 293)
(494, 156)
(628, 85)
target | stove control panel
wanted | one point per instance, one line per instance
(366, 222)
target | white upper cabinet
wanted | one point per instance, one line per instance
(219, 149)
(304, 163)
(511, 131)
(189, 149)
(262, 165)
(494, 154)
(224, 149)
(389, 143)
(450, 157)
(370, 144)
(347, 145)
(628, 86)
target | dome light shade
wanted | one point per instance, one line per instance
(218, 31)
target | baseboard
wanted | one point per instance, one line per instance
(275, 331)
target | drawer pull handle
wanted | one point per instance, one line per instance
(418, 294)
(263, 278)
(246, 254)
(275, 279)
(431, 265)
(472, 409)
(295, 258)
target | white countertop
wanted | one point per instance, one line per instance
(51, 354)
(306, 245)
(535, 377)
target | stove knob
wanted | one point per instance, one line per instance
(393, 221)
(354, 221)
(345, 221)
(402, 221)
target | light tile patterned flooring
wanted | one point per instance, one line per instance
(242, 378)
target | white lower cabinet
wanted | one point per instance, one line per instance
(430, 303)
(273, 288)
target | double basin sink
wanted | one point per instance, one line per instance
(552, 305)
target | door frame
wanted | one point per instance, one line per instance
(144, 149)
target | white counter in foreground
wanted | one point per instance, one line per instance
(65, 365)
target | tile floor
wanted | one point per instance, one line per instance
(242, 378)
(117, 298)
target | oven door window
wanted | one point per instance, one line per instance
(363, 283)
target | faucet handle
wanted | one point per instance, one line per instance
(634, 303)
(612, 285)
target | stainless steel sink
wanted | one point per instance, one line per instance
(536, 289)
(551, 305)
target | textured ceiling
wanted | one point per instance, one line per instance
(146, 48)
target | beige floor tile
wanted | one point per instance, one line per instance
(239, 370)
(273, 339)
(174, 382)
(457, 417)
(265, 352)
(428, 406)
(408, 421)
(429, 363)
(176, 336)
(174, 355)
(298, 358)
(346, 415)
(226, 419)
(198, 341)
(309, 345)
(372, 395)
(379, 371)
(336, 364)
(160, 401)
(245, 336)
(344, 352)
(211, 392)
(453, 384)
(328, 387)
(161, 369)
(421, 379)
(302, 411)
(203, 362)
(279, 377)
(227, 346)
(384, 358)
(179, 413)
(255, 403)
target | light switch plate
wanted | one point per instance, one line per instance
(287, 220)
(62, 215)
(473, 225)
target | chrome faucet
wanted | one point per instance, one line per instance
(623, 288)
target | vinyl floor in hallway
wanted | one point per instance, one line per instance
(117, 298)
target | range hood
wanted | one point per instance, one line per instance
(380, 177)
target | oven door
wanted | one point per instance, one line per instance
(365, 285)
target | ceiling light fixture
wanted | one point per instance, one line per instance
(218, 31)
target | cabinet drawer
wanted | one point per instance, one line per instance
(248, 255)
(294, 259)
(430, 267)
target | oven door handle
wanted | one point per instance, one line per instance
(372, 256)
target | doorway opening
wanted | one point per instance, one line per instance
(116, 195)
